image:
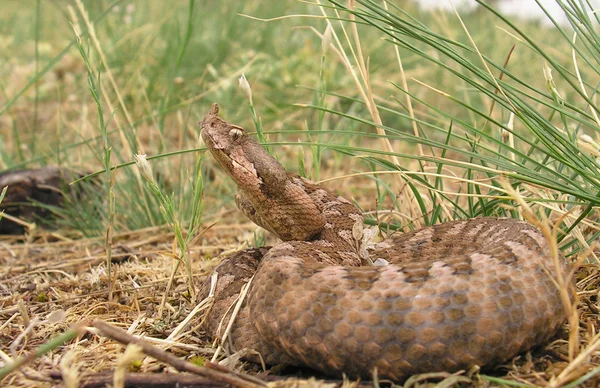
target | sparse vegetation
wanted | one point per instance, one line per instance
(425, 116)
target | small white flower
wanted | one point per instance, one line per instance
(548, 73)
(326, 40)
(245, 87)
(511, 121)
(589, 144)
(550, 82)
(510, 126)
(144, 167)
(586, 138)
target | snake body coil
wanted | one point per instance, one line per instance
(455, 295)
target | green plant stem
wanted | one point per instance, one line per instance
(52, 344)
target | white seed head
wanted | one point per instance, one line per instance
(144, 167)
(548, 73)
(550, 82)
(245, 87)
(74, 22)
(509, 127)
(511, 121)
(588, 144)
(326, 40)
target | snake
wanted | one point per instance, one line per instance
(449, 297)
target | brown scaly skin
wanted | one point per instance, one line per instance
(455, 295)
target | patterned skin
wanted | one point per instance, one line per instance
(455, 295)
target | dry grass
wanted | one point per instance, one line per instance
(49, 275)
(53, 281)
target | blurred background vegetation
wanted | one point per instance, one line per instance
(151, 70)
(419, 115)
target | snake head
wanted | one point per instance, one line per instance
(236, 151)
(219, 134)
(262, 180)
(240, 155)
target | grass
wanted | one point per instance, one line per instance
(419, 116)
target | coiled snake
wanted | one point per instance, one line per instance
(455, 295)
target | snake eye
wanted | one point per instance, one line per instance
(236, 133)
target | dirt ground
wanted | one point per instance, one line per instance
(51, 283)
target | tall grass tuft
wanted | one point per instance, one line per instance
(509, 142)
(541, 135)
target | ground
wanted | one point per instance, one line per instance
(416, 136)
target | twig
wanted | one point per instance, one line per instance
(119, 335)
(221, 368)
(142, 380)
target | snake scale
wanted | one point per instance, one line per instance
(454, 295)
